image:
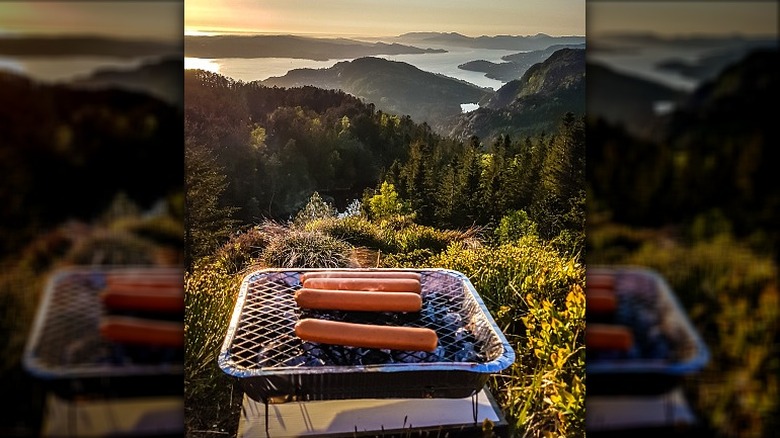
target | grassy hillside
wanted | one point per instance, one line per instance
(532, 287)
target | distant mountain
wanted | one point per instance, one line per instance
(710, 65)
(394, 87)
(161, 78)
(534, 103)
(626, 100)
(499, 42)
(289, 46)
(516, 64)
(62, 46)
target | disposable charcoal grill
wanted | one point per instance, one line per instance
(261, 347)
(667, 346)
(66, 351)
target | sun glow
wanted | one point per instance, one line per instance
(201, 64)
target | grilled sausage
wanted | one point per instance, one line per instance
(146, 279)
(327, 299)
(139, 331)
(365, 284)
(600, 301)
(360, 274)
(142, 298)
(602, 281)
(366, 336)
(608, 337)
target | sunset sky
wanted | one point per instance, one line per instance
(386, 18)
(161, 20)
(683, 18)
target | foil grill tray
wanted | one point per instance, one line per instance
(262, 350)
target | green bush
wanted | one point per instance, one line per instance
(315, 209)
(112, 248)
(515, 225)
(305, 249)
(243, 250)
(732, 296)
(551, 399)
(535, 295)
(355, 230)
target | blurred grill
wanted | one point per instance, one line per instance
(667, 345)
(65, 348)
(262, 349)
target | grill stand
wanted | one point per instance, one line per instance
(457, 417)
(474, 411)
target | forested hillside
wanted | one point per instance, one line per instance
(394, 87)
(67, 153)
(532, 104)
(273, 147)
(717, 152)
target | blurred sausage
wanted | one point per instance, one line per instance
(608, 337)
(139, 331)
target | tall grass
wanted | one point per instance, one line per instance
(530, 287)
(730, 291)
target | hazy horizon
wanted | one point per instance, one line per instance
(682, 19)
(373, 19)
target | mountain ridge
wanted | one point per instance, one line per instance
(291, 46)
(532, 104)
(393, 86)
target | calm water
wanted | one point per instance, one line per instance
(65, 68)
(642, 63)
(443, 63)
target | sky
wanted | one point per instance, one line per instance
(160, 20)
(683, 18)
(374, 18)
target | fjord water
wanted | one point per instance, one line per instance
(255, 69)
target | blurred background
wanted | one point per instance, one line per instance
(91, 159)
(681, 179)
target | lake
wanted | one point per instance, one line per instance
(257, 69)
(63, 69)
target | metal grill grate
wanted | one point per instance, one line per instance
(261, 340)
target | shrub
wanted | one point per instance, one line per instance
(515, 225)
(305, 249)
(551, 399)
(112, 248)
(534, 294)
(243, 250)
(315, 209)
(355, 230)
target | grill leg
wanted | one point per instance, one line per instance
(475, 406)
(265, 402)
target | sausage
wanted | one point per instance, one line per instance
(140, 331)
(327, 299)
(602, 281)
(365, 284)
(360, 274)
(366, 335)
(600, 301)
(145, 279)
(153, 299)
(608, 337)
